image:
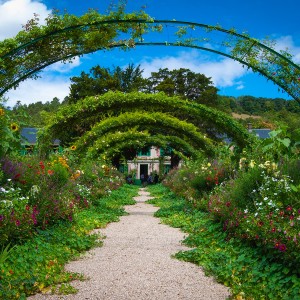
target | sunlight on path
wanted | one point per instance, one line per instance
(135, 263)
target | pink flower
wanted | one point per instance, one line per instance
(18, 223)
(282, 247)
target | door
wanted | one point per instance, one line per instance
(143, 169)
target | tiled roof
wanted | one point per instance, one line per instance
(262, 133)
(29, 136)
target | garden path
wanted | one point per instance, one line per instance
(135, 263)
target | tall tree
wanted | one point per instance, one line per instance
(184, 83)
(101, 80)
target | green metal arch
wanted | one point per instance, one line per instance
(142, 139)
(111, 103)
(142, 119)
(274, 66)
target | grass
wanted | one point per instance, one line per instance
(248, 271)
(38, 265)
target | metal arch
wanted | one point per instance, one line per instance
(292, 87)
(140, 44)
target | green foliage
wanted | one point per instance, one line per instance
(35, 47)
(5, 252)
(248, 271)
(184, 83)
(9, 132)
(123, 143)
(144, 121)
(38, 264)
(65, 125)
(101, 80)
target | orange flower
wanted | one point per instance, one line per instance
(50, 172)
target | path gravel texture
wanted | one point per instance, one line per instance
(135, 263)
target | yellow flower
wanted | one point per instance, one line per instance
(252, 164)
(14, 127)
(2, 112)
(209, 164)
(73, 147)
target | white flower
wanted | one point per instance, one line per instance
(266, 198)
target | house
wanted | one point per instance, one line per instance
(148, 161)
(29, 140)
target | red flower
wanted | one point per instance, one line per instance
(17, 176)
(228, 204)
(289, 208)
(50, 172)
(260, 223)
(273, 229)
(18, 223)
(27, 207)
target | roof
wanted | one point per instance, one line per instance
(29, 136)
(262, 133)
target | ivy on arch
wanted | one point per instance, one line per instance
(146, 120)
(114, 143)
(64, 125)
(66, 36)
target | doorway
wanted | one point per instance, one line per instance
(143, 169)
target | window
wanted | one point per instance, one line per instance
(144, 151)
(165, 152)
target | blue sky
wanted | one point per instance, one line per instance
(260, 18)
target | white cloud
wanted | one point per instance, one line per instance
(223, 73)
(287, 43)
(61, 67)
(43, 89)
(15, 13)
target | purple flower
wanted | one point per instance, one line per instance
(282, 247)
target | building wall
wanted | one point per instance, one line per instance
(148, 164)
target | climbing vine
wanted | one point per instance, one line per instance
(113, 143)
(65, 124)
(146, 120)
(65, 36)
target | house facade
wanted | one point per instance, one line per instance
(149, 161)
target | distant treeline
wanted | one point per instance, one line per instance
(257, 106)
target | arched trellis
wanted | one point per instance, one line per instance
(113, 143)
(146, 121)
(25, 58)
(64, 125)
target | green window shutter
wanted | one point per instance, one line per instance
(144, 152)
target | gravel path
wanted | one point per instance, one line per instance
(135, 263)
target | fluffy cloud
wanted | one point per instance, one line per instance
(43, 89)
(223, 72)
(287, 43)
(15, 13)
(64, 67)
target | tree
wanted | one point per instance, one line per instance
(184, 83)
(101, 80)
